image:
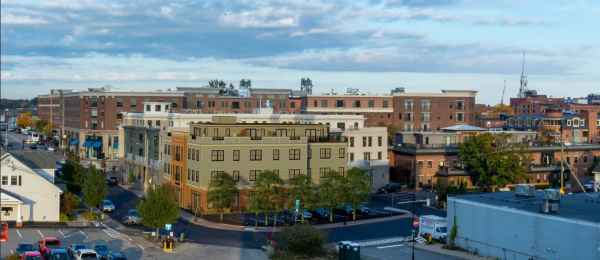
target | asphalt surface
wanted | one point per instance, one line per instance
(125, 200)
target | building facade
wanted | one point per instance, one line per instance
(27, 195)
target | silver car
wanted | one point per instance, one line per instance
(132, 217)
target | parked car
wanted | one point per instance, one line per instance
(390, 188)
(33, 147)
(24, 247)
(48, 243)
(57, 254)
(132, 217)
(589, 186)
(72, 250)
(102, 251)
(364, 210)
(322, 213)
(86, 254)
(112, 180)
(107, 206)
(51, 148)
(116, 256)
(30, 255)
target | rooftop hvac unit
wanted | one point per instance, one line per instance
(524, 190)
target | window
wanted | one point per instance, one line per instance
(386, 103)
(426, 105)
(217, 155)
(275, 154)
(119, 102)
(133, 103)
(324, 172)
(20, 179)
(367, 156)
(379, 156)
(370, 141)
(324, 103)
(93, 101)
(460, 105)
(341, 125)
(380, 141)
(325, 153)
(408, 117)
(294, 172)
(419, 164)
(352, 141)
(430, 164)
(4, 180)
(364, 142)
(342, 153)
(371, 103)
(408, 105)
(236, 176)
(255, 155)
(215, 176)
(189, 174)
(341, 171)
(339, 103)
(356, 103)
(292, 104)
(351, 157)
(236, 155)
(147, 107)
(294, 154)
(315, 103)
(235, 105)
(425, 116)
(93, 113)
(197, 176)
(252, 175)
(460, 117)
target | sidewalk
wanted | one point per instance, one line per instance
(223, 226)
(438, 248)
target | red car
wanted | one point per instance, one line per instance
(47, 243)
(31, 255)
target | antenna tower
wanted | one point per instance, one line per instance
(523, 88)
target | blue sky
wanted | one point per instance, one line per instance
(374, 45)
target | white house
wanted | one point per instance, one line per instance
(27, 196)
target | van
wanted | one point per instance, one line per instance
(433, 225)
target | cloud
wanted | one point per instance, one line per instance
(261, 18)
(420, 3)
(14, 19)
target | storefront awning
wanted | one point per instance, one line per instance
(92, 144)
(74, 141)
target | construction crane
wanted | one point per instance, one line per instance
(523, 88)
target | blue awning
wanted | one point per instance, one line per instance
(74, 141)
(92, 144)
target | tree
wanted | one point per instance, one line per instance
(94, 187)
(269, 192)
(492, 161)
(159, 207)
(357, 189)
(300, 240)
(222, 193)
(453, 233)
(68, 202)
(72, 175)
(502, 109)
(216, 83)
(301, 188)
(331, 192)
(24, 120)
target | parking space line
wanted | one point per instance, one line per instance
(40, 232)
(140, 246)
(61, 233)
(390, 246)
(19, 233)
(84, 234)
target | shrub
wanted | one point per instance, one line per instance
(68, 202)
(130, 178)
(301, 240)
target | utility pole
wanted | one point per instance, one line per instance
(503, 91)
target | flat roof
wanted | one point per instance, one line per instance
(578, 206)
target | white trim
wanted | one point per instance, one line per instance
(523, 212)
(349, 110)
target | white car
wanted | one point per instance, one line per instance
(51, 148)
(108, 206)
(87, 254)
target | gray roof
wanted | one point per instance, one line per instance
(463, 127)
(580, 206)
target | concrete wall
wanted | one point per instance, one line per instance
(511, 234)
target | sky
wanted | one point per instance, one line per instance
(373, 45)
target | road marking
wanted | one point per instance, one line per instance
(140, 246)
(84, 234)
(19, 233)
(390, 246)
(384, 241)
(40, 232)
(61, 233)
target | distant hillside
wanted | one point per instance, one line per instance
(17, 103)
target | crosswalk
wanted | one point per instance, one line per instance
(392, 240)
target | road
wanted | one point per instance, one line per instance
(125, 200)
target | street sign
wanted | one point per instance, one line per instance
(168, 227)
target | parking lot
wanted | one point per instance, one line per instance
(90, 237)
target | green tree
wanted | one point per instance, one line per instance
(159, 207)
(304, 240)
(453, 233)
(222, 193)
(94, 187)
(492, 161)
(269, 191)
(357, 189)
(331, 192)
(301, 188)
(72, 175)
